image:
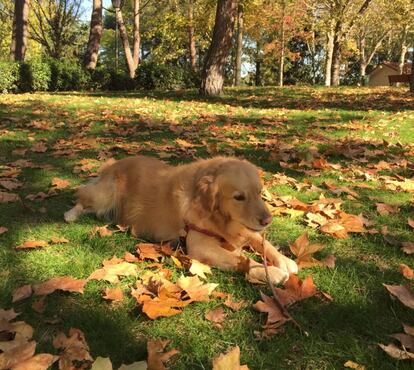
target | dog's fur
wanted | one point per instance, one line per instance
(219, 195)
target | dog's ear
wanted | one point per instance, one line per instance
(208, 192)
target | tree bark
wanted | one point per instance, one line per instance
(412, 77)
(137, 34)
(20, 30)
(95, 35)
(191, 38)
(239, 45)
(282, 46)
(336, 61)
(125, 42)
(213, 71)
(328, 56)
(258, 62)
(403, 52)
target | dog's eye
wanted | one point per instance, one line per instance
(240, 197)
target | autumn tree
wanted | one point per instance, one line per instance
(239, 44)
(215, 62)
(20, 30)
(95, 34)
(191, 36)
(57, 26)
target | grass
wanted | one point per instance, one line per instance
(100, 125)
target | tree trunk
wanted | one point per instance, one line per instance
(412, 76)
(362, 60)
(137, 35)
(328, 56)
(95, 35)
(258, 62)
(239, 46)
(191, 38)
(213, 71)
(336, 61)
(403, 51)
(20, 29)
(124, 37)
(282, 47)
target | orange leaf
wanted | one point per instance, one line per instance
(23, 292)
(148, 251)
(304, 251)
(60, 183)
(65, 283)
(103, 231)
(296, 290)
(114, 294)
(404, 294)
(385, 209)
(31, 244)
(229, 361)
(216, 316)
(410, 222)
(157, 355)
(407, 271)
(269, 306)
(41, 361)
(195, 289)
(3, 230)
(408, 247)
(60, 240)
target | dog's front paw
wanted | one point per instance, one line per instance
(71, 215)
(291, 266)
(257, 274)
(277, 276)
(284, 263)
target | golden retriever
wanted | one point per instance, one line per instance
(216, 202)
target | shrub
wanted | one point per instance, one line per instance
(100, 78)
(9, 76)
(68, 75)
(160, 76)
(35, 75)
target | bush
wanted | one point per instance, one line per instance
(35, 75)
(160, 76)
(9, 76)
(68, 75)
(100, 78)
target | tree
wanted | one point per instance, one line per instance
(213, 71)
(57, 26)
(412, 74)
(239, 45)
(131, 57)
(95, 34)
(20, 30)
(191, 37)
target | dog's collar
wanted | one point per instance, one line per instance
(190, 226)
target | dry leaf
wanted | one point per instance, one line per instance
(199, 269)
(410, 222)
(8, 315)
(408, 247)
(60, 240)
(129, 257)
(353, 365)
(60, 183)
(8, 197)
(113, 269)
(304, 251)
(216, 316)
(269, 306)
(397, 353)
(296, 290)
(195, 289)
(114, 294)
(407, 271)
(3, 230)
(65, 283)
(10, 184)
(229, 361)
(38, 305)
(102, 363)
(148, 251)
(41, 361)
(157, 355)
(102, 231)
(140, 365)
(11, 358)
(32, 244)
(385, 209)
(23, 292)
(404, 294)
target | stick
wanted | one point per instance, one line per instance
(279, 304)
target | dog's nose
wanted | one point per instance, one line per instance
(266, 220)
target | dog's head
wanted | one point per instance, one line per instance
(232, 188)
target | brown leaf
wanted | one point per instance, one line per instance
(148, 251)
(11, 358)
(10, 184)
(235, 306)
(408, 247)
(397, 353)
(157, 355)
(304, 251)
(195, 289)
(353, 365)
(39, 148)
(269, 306)
(103, 363)
(3, 230)
(407, 271)
(23, 292)
(296, 290)
(60, 240)
(65, 283)
(385, 209)
(229, 361)
(32, 244)
(41, 361)
(404, 294)
(74, 348)
(406, 340)
(8, 197)
(410, 222)
(129, 257)
(114, 294)
(8, 315)
(112, 270)
(39, 305)
(156, 307)
(102, 231)
(216, 316)
(60, 184)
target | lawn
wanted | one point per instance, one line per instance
(366, 138)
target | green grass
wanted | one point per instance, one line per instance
(90, 125)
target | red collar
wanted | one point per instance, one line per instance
(189, 226)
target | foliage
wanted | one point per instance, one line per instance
(67, 75)
(35, 75)
(9, 76)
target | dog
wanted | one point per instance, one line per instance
(215, 202)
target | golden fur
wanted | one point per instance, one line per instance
(220, 195)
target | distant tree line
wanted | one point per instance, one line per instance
(216, 42)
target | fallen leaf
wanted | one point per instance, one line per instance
(385, 209)
(41, 361)
(304, 251)
(60, 240)
(65, 283)
(410, 222)
(195, 288)
(407, 271)
(216, 316)
(140, 365)
(148, 251)
(8, 197)
(129, 257)
(269, 306)
(408, 247)
(199, 269)
(102, 363)
(23, 292)
(38, 305)
(102, 231)
(114, 294)
(32, 244)
(60, 184)
(393, 351)
(111, 271)
(296, 290)
(229, 361)
(3, 230)
(157, 355)
(9, 359)
(353, 365)
(10, 184)
(8, 315)
(404, 294)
